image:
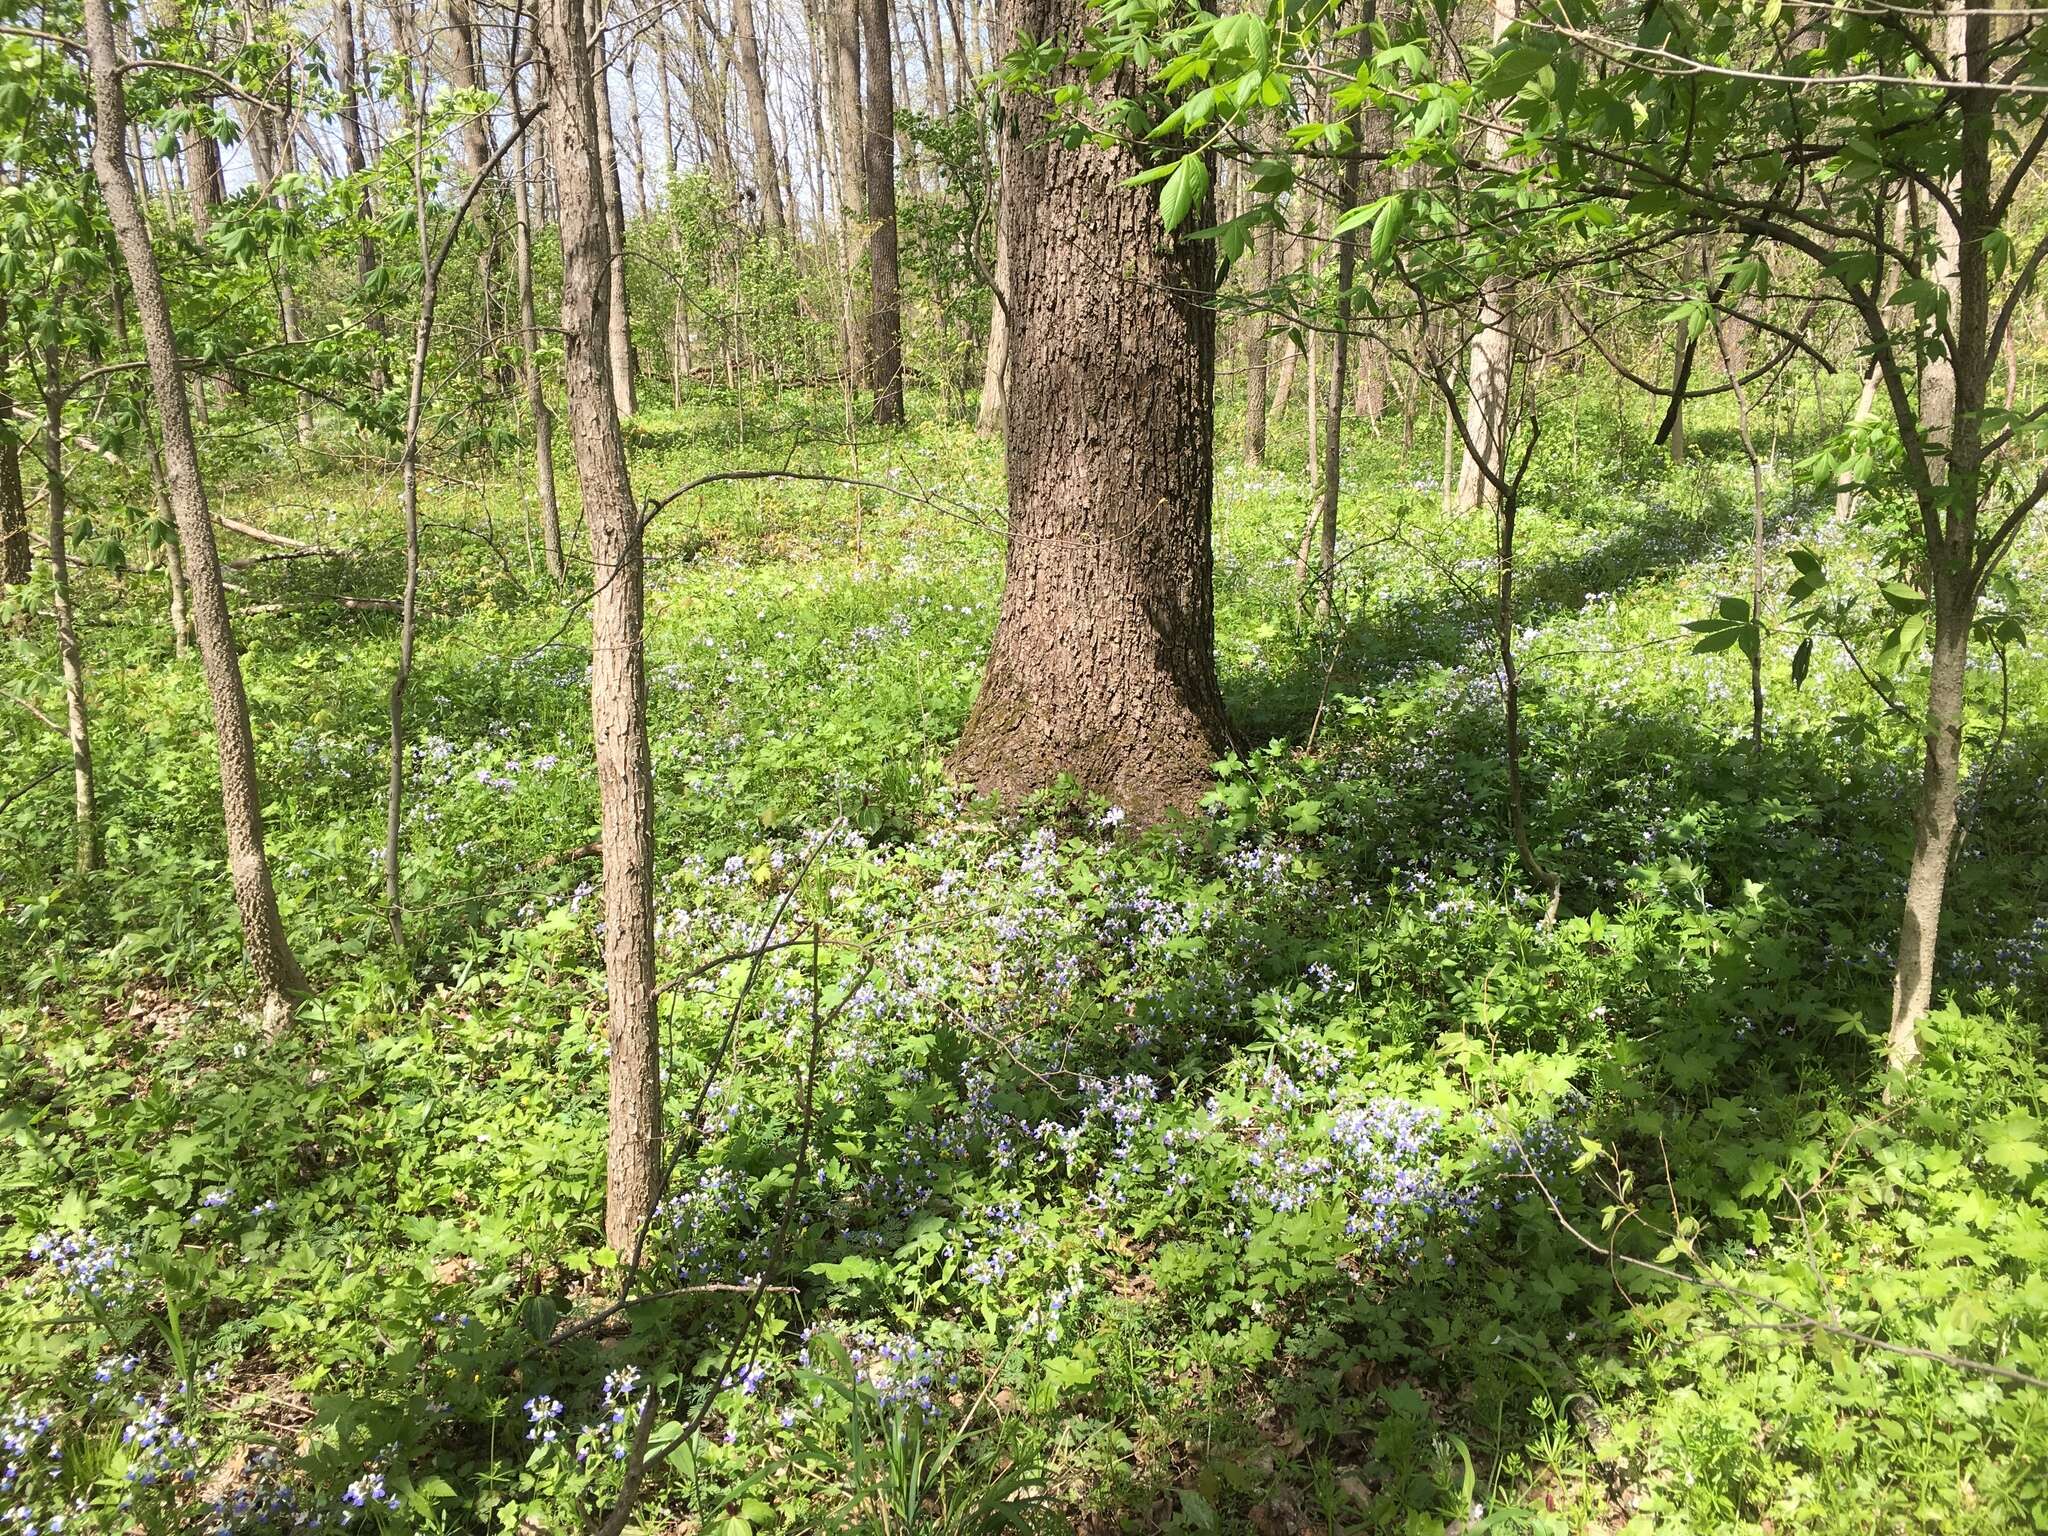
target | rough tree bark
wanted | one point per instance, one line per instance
(885, 285)
(618, 678)
(277, 970)
(1103, 665)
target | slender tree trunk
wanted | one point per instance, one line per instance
(767, 180)
(1340, 356)
(1953, 389)
(1681, 370)
(77, 727)
(841, 26)
(618, 678)
(529, 353)
(1493, 347)
(270, 956)
(617, 316)
(179, 591)
(885, 313)
(1258, 348)
(347, 70)
(995, 374)
(1756, 544)
(14, 551)
(409, 510)
(466, 74)
(1103, 665)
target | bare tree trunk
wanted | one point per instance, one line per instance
(1103, 665)
(885, 314)
(618, 679)
(1953, 389)
(841, 27)
(1258, 348)
(1681, 370)
(529, 352)
(1493, 347)
(617, 317)
(466, 74)
(14, 551)
(77, 728)
(1756, 543)
(767, 179)
(347, 69)
(1333, 416)
(180, 592)
(995, 374)
(270, 956)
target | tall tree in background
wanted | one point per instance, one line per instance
(77, 721)
(1493, 348)
(767, 172)
(14, 551)
(618, 670)
(618, 318)
(885, 284)
(537, 406)
(839, 24)
(277, 970)
(1103, 665)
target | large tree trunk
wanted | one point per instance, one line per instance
(1486, 394)
(767, 179)
(885, 313)
(618, 678)
(1103, 665)
(77, 725)
(270, 957)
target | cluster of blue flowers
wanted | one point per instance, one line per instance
(89, 1270)
(900, 1369)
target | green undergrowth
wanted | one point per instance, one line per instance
(1280, 1170)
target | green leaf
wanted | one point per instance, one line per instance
(1184, 189)
(1387, 228)
(2011, 1143)
(1902, 597)
(1802, 658)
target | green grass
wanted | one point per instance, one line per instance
(1197, 1181)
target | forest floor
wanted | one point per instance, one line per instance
(1280, 1172)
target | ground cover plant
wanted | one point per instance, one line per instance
(1276, 1170)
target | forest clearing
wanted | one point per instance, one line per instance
(894, 766)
